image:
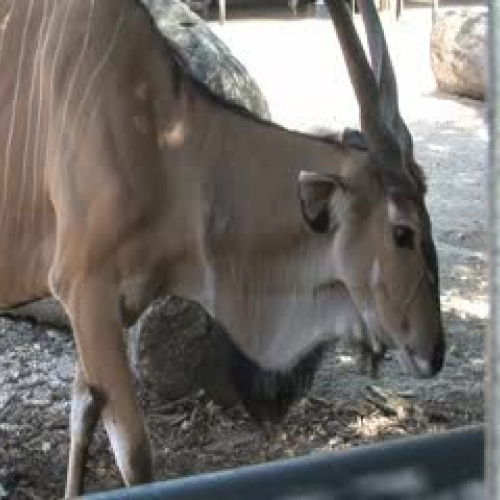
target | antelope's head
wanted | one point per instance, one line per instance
(382, 243)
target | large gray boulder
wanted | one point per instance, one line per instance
(176, 350)
(459, 52)
(210, 60)
(174, 347)
(47, 312)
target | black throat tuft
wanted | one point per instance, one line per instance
(268, 394)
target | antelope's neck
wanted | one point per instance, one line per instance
(263, 263)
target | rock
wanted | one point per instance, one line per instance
(45, 312)
(459, 52)
(176, 350)
(209, 59)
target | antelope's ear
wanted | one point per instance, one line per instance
(317, 193)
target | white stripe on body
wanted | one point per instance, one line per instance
(94, 75)
(8, 147)
(29, 121)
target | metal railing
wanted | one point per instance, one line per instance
(493, 344)
(447, 466)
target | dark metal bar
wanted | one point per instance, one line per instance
(447, 466)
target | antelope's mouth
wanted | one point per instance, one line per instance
(410, 362)
(380, 341)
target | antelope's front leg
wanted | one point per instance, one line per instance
(86, 407)
(92, 304)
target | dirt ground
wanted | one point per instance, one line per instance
(302, 75)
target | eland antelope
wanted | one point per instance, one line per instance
(122, 178)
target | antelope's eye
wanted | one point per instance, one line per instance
(403, 237)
